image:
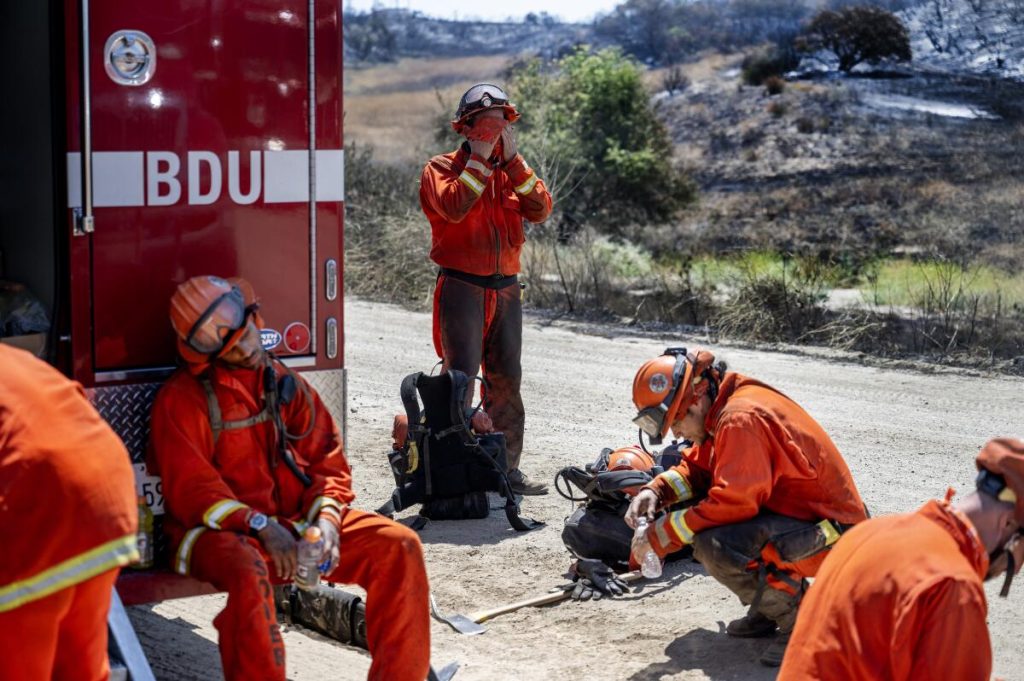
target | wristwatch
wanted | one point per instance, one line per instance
(257, 522)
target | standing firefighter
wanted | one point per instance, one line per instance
(772, 491)
(68, 521)
(476, 199)
(250, 456)
(901, 597)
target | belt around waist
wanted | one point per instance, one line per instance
(493, 281)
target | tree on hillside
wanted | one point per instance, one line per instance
(857, 35)
(589, 126)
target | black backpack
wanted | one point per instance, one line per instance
(597, 528)
(443, 464)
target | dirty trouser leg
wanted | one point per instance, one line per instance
(459, 324)
(502, 355)
(729, 554)
(386, 559)
(250, 640)
(60, 636)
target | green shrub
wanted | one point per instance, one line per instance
(589, 127)
(767, 62)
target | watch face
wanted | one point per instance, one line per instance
(258, 521)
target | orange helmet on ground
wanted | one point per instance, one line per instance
(481, 97)
(666, 386)
(209, 315)
(629, 458)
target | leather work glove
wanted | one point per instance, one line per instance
(509, 147)
(594, 579)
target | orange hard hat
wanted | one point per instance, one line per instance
(666, 386)
(209, 315)
(481, 97)
(1001, 472)
(628, 458)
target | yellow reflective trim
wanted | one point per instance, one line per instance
(831, 533)
(480, 167)
(678, 520)
(319, 504)
(219, 511)
(74, 570)
(183, 558)
(471, 182)
(527, 187)
(679, 485)
(1007, 495)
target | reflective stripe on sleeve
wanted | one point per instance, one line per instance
(183, 558)
(74, 570)
(527, 187)
(677, 519)
(323, 503)
(479, 167)
(679, 485)
(467, 179)
(219, 511)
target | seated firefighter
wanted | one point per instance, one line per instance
(773, 493)
(901, 597)
(250, 456)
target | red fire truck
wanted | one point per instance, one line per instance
(147, 142)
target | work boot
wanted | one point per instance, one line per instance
(751, 626)
(523, 485)
(773, 654)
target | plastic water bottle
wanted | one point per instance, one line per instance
(311, 547)
(650, 564)
(144, 538)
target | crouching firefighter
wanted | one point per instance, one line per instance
(902, 598)
(772, 492)
(596, 533)
(249, 457)
(447, 456)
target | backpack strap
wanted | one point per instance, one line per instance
(217, 422)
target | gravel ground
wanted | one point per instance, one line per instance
(907, 436)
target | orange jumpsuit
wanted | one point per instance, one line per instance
(211, 488)
(900, 598)
(68, 522)
(765, 468)
(476, 210)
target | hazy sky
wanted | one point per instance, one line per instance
(578, 10)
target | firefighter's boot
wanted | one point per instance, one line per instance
(525, 486)
(753, 625)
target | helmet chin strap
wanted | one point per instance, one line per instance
(1011, 567)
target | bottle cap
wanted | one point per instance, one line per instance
(312, 534)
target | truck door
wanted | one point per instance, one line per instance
(198, 119)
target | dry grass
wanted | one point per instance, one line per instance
(394, 107)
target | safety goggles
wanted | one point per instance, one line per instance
(651, 420)
(995, 486)
(221, 325)
(480, 97)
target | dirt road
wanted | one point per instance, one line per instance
(906, 436)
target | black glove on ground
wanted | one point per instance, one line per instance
(594, 579)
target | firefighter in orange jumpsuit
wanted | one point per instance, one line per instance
(476, 199)
(901, 597)
(773, 493)
(68, 522)
(249, 456)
